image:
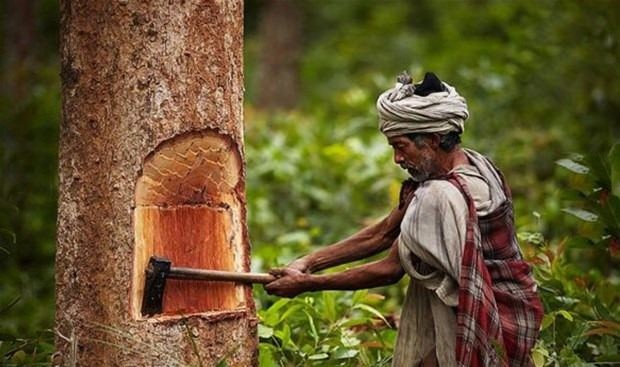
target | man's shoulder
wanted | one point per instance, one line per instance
(474, 153)
(438, 193)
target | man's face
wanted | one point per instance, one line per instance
(419, 161)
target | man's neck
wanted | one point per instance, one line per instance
(450, 160)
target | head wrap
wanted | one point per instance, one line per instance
(403, 111)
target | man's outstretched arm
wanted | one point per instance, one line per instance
(367, 242)
(382, 272)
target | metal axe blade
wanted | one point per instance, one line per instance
(159, 269)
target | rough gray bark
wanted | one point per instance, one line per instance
(151, 160)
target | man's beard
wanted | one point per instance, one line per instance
(420, 172)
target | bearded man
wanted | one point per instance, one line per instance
(471, 300)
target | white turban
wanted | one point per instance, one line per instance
(402, 112)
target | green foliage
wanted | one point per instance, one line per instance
(327, 329)
(26, 352)
(28, 150)
(578, 275)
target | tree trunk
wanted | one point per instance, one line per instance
(280, 31)
(152, 163)
(19, 48)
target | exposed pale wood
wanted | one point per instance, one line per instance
(194, 168)
(185, 211)
(191, 236)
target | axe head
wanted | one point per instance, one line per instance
(155, 282)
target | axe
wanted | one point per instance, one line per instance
(159, 269)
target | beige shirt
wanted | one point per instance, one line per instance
(430, 248)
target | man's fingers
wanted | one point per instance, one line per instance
(286, 285)
(277, 272)
(274, 289)
(280, 272)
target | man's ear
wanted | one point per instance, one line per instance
(433, 141)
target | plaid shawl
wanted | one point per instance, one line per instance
(499, 312)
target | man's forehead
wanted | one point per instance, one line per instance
(397, 139)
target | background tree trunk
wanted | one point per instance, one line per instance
(280, 32)
(151, 161)
(18, 47)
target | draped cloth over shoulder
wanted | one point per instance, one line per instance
(492, 315)
(401, 111)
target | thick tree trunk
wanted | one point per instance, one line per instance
(151, 162)
(280, 31)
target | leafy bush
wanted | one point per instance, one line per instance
(578, 275)
(327, 329)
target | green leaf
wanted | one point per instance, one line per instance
(313, 332)
(573, 166)
(285, 335)
(373, 311)
(279, 304)
(539, 356)
(271, 316)
(264, 332)
(547, 321)
(265, 356)
(535, 238)
(291, 310)
(359, 295)
(349, 341)
(330, 306)
(355, 321)
(318, 356)
(345, 353)
(567, 315)
(581, 214)
(568, 301)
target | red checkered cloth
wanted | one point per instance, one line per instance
(499, 311)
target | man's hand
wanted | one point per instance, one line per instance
(299, 265)
(407, 189)
(290, 282)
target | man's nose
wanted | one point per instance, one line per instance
(398, 158)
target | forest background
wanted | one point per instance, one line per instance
(542, 83)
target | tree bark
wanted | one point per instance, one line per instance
(151, 163)
(280, 32)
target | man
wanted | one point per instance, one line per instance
(471, 299)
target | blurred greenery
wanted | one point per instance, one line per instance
(542, 83)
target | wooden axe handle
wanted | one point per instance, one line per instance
(219, 275)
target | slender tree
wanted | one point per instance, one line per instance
(280, 32)
(151, 163)
(19, 47)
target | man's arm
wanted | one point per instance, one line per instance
(383, 272)
(367, 242)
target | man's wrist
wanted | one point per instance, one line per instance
(302, 264)
(311, 283)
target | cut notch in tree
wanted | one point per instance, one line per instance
(186, 210)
